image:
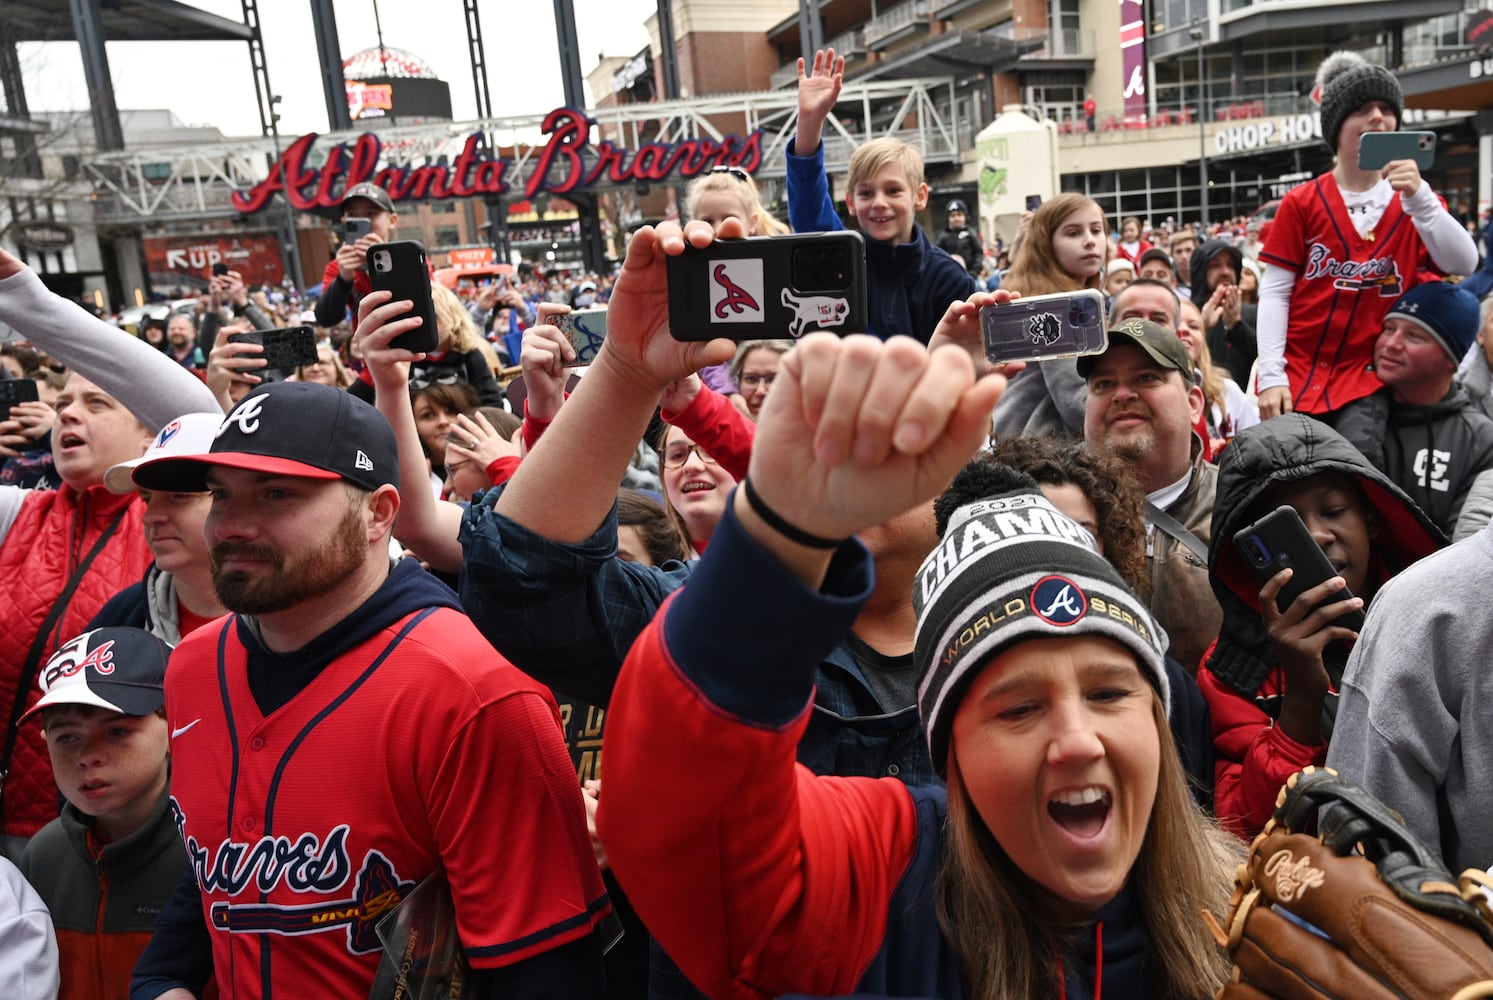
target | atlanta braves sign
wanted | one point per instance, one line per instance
(568, 161)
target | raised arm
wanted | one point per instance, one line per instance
(427, 526)
(767, 880)
(149, 384)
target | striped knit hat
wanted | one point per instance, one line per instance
(1011, 567)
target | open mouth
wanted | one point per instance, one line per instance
(94, 788)
(696, 487)
(70, 440)
(1081, 812)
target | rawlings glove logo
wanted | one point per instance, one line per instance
(1292, 877)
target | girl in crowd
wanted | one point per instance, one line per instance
(730, 193)
(328, 369)
(1131, 245)
(460, 355)
(1063, 250)
(481, 452)
(754, 368)
(1227, 409)
(436, 406)
(696, 487)
(646, 534)
(1271, 677)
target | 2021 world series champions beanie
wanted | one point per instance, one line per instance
(1013, 567)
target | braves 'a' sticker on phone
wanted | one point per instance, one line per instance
(1045, 329)
(736, 291)
(816, 312)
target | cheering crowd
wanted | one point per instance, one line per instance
(914, 675)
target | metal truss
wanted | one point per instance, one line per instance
(188, 182)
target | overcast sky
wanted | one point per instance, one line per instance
(210, 82)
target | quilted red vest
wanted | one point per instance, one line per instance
(53, 533)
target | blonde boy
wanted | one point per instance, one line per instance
(911, 282)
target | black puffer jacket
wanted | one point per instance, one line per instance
(1435, 452)
(1233, 347)
(1289, 448)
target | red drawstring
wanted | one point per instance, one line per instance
(1098, 958)
(1098, 966)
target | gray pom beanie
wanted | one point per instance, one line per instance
(1346, 82)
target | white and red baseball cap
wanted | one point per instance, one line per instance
(191, 434)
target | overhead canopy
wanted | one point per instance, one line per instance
(955, 53)
(124, 21)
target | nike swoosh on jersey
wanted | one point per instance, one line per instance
(178, 731)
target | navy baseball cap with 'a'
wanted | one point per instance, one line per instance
(116, 669)
(289, 429)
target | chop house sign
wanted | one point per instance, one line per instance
(567, 162)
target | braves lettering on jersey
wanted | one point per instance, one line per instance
(416, 750)
(1345, 284)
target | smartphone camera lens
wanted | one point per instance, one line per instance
(381, 261)
(820, 268)
(1258, 554)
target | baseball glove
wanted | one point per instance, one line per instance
(1362, 910)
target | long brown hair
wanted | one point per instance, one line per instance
(1213, 375)
(1008, 949)
(1035, 269)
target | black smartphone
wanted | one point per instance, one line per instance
(1280, 540)
(585, 329)
(355, 229)
(401, 267)
(16, 390)
(1065, 325)
(769, 287)
(1033, 202)
(285, 349)
(1376, 150)
(220, 269)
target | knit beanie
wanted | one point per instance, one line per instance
(1447, 312)
(1346, 81)
(1011, 567)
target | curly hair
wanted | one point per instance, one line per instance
(1104, 480)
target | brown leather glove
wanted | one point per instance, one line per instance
(1361, 910)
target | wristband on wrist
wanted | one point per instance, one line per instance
(775, 521)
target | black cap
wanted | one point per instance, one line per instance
(1162, 345)
(1155, 253)
(955, 206)
(117, 669)
(290, 429)
(372, 192)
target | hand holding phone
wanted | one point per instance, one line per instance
(1280, 540)
(585, 329)
(401, 268)
(16, 390)
(285, 349)
(1065, 325)
(1376, 150)
(769, 287)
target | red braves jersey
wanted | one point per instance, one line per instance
(1345, 284)
(418, 749)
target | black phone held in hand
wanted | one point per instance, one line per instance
(1280, 540)
(285, 350)
(400, 267)
(16, 390)
(769, 287)
(220, 269)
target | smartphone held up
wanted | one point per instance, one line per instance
(769, 287)
(1065, 325)
(401, 267)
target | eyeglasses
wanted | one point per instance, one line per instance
(751, 381)
(677, 455)
(736, 172)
